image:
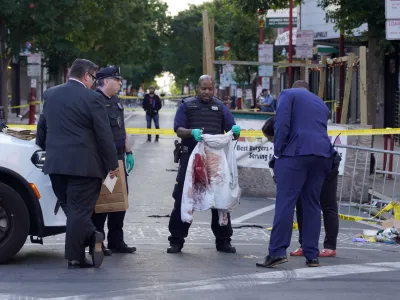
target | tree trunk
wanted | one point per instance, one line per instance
(374, 70)
(3, 87)
(4, 60)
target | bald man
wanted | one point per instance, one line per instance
(303, 158)
(206, 112)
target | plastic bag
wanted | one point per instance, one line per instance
(219, 187)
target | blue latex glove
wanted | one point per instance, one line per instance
(196, 133)
(129, 162)
(236, 129)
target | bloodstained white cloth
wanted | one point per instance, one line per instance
(211, 179)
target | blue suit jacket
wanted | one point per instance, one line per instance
(301, 125)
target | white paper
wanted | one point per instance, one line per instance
(110, 183)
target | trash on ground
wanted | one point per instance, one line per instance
(389, 234)
(250, 256)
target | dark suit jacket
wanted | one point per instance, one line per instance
(75, 132)
(300, 125)
(149, 107)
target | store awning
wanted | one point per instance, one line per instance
(325, 49)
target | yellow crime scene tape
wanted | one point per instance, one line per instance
(176, 98)
(393, 205)
(247, 133)
(27, 105)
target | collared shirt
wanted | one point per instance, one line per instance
(101, 92)
(267, 100)
(119, 144)
(78, 81)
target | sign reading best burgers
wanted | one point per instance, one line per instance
(257, 152)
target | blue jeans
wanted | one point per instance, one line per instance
(156, 119)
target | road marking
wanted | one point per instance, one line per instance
(253, 214)
(274, 277)
(127, 117)
(212, 245)
(236, 282)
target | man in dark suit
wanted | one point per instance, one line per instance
(75, 132)
(152, 105)
(303, 154)
(327, 200)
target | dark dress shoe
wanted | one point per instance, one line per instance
(122, 248)
(97, 249)
(74, 264)
(226, 248)
(107, 252)
(174, 249)
(271, 261)
(312, 263)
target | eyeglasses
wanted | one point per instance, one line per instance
(93, 77)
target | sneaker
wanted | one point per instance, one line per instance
(327, 253)
(312, 263)
(297, 252)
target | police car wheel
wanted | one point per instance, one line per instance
(14, 223)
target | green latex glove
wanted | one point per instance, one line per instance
(236, 129)
(196, 133)
(129, 162)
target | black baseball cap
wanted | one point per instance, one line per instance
(108, 72)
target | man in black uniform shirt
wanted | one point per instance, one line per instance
(109, 83)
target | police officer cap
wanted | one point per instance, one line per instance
(108, 72)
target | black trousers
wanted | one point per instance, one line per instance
(77, 196)
(115, 223)
(179, 230)
(329, 208)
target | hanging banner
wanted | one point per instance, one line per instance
(257, 152)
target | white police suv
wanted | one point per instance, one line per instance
(28, 206)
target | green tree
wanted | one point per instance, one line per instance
(183, 53)
(123, 32)
(351, 14)
(252, 6)
(175, 90)
(183, 56)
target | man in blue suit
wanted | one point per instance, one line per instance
(303, 158)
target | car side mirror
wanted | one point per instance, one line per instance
(38, 158)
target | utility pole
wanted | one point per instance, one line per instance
(290, 42)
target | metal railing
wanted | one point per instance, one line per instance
(365, 191)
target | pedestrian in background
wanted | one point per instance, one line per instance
(75, 132)
(266, 102)
(109, 82)
(152, 105)
(303, 159)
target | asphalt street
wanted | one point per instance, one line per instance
(360, 271)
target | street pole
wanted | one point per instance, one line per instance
(261, 23)
(290, 42)
(32, 102)
(226, 52)
(341, 80)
